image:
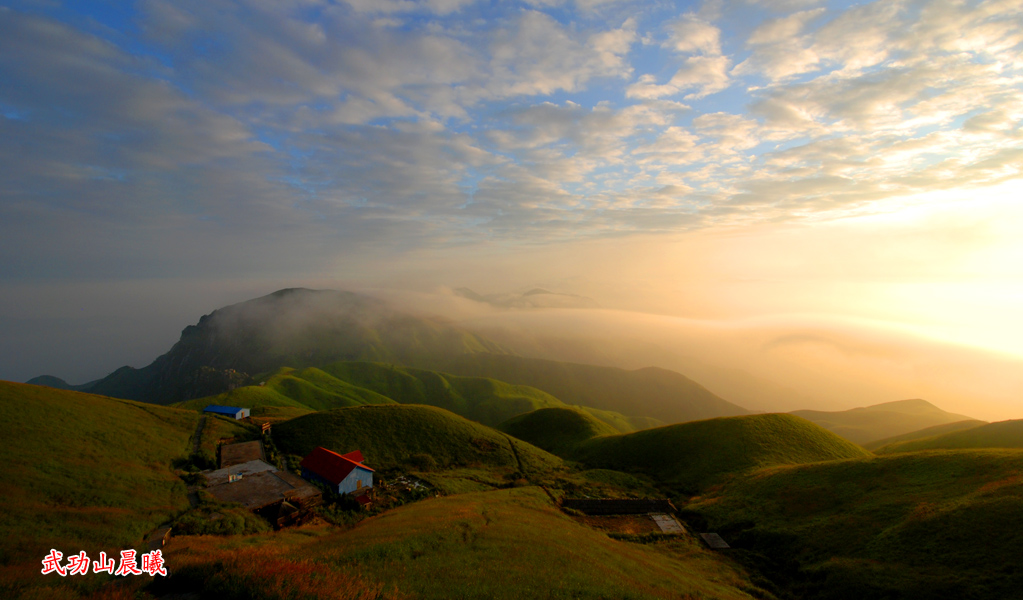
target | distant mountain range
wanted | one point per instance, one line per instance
(535, 298)
(889, 419)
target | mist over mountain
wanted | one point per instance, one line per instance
(290, 327)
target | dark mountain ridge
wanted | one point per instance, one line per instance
(291, 327)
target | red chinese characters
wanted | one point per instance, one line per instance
(51, 564)
(152, 563)
(78, 564)
(128, 565)
(104, 564)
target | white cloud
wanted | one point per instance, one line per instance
(691, 34)
(703, 74)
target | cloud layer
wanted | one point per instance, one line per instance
(240, 139)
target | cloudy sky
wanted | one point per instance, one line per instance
(719, 160)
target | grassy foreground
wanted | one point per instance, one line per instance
(502, 544)
(85, 472)
(926, 525)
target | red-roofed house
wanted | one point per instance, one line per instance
(343, 472)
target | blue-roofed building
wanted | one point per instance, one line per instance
(228, 411)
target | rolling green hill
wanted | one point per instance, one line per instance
(390, 435)
(557, 430)
(1002, 434)
(656, 393)
(487, 401)
(692, 456)
(292, 327)
(309, 388)
(870, 423)
(85, 472)
(345, 384)
(908, 526)
(925, 433)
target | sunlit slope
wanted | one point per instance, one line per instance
(308, 388)
(926, 432)
(289, 328)
(652, 392)
(85, 472)
(692, 456)
(488, 401)
(345, 384)
(866, 424)
(391, 435)
(557, 430)
(506, 544)
(1003, 434)
(920, 526)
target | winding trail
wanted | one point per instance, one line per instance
(197, 436)
(518, 461)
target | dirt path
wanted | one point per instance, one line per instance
(197, 436)
(518, 461)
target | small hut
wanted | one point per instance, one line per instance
(343, 472)
(228, 411)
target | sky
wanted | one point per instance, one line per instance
(727, 161)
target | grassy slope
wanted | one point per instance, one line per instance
(926, 432)
(388, 435)
(656, 393)
(488, 401)
(864, 425)
(557, 430)
(620, 422)
(84, 471)
(927, 525)
(1003, 434)
(691, 456)
(308, 388)
(503, 544)
(347, 384)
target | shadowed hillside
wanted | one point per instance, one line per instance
(692, 456)
(84, 471)
(1003, 434)
(557, 430)
(870, 423)
(913, 526)
(652, 392)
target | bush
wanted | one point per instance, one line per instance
(219, 518)
(422, 462)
